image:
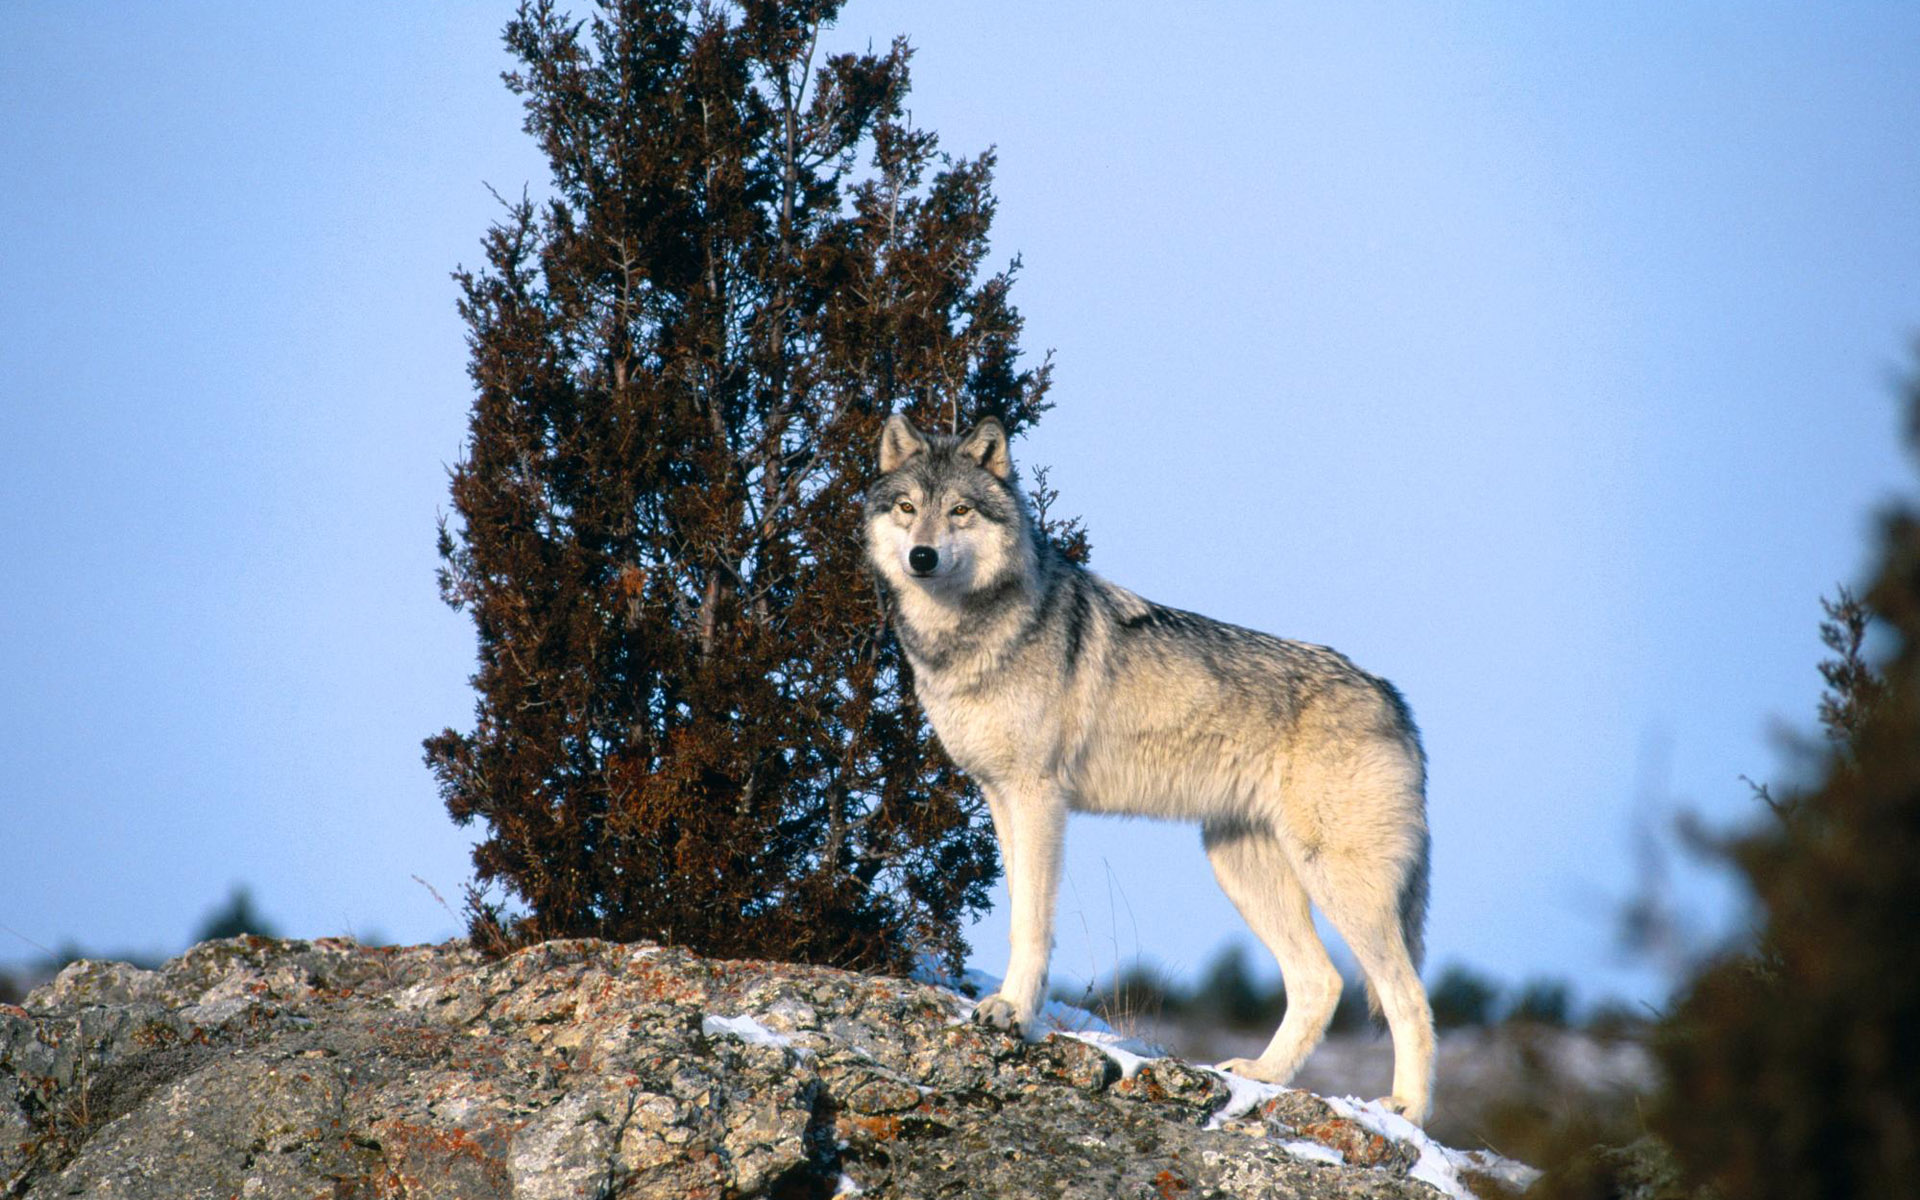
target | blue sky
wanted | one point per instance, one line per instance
(1540, 358)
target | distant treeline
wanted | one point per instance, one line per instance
(237, 915)
(1228, 993)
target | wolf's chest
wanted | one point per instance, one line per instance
(990, 732)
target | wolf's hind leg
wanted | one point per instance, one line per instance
(1360, 893)
(1253, 870)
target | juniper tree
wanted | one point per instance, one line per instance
(691, 723)
(1791, 1071)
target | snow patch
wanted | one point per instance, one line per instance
(1516, 1175)
(1067, 1020)
(1056, 1016)
(1243, 1096)
(1130, 1053)
(750, 1031)
(1313, 1152)
(1437, 1165)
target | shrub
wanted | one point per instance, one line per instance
(1792, 1069)
(691, 723)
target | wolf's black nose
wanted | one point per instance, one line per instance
(923, 559)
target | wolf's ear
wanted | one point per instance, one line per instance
(899, 441)
(987, 445)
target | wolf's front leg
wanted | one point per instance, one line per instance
(1031, 823)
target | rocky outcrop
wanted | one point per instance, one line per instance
(260, 1068)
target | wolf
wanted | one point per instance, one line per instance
(1058, 692)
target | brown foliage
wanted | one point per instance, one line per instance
(691, 724)
(1793, 1070)
(1790, 1066)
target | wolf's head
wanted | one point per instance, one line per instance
(945, 515)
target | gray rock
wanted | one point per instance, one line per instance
(260, 1068)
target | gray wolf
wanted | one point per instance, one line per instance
(1058, 691)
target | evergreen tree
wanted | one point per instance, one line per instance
(1463, 997)
(235, 917)
(1229, 991)
(1792, 1071)
(691, 725)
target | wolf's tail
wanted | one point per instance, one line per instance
(1413, 914)
(1413, 903)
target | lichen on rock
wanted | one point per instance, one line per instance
(260, 1068)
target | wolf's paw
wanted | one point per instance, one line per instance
(1416, 1113)
(1252, 1068)
(998, 1011)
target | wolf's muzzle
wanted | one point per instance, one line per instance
(923, 559)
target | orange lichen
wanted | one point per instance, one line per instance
(410, 1148)
(885, 1128)
(1361, 1147)
(1142, 1086)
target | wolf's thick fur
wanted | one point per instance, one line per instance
(1059, 691)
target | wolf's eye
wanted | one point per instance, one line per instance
(961, 510)
(906, 507)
